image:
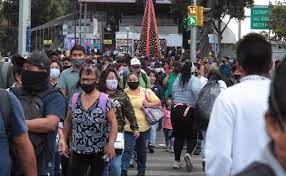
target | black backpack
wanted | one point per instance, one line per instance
(205, 103)
(33, 107)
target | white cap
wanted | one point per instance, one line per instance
(135, 62)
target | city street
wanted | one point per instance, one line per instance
(160, 163)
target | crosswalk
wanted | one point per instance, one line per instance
(160, 164)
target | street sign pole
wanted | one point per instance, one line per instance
(193, 48)
(24, 36)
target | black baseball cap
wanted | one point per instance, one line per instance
(18, 60)
(39, 59)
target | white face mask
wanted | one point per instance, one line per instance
(55, 73)
(157, 70)
(112, 84)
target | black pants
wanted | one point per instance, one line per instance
(81, 163)
(183, 130)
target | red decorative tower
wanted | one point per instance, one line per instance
(149, 44)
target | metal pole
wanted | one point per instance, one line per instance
(127, 41)
(24, 24)
(85, 12)
(239, 29)
(193, 40)
(80, 14)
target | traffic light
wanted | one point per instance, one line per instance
(195, 16)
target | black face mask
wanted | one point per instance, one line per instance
(237, 77)
(66, 67)
(33, 81)
(88, 88)
(133, 85)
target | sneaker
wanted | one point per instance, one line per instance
(177, 165)
(171, 149)
(187, 159)
(123, 173)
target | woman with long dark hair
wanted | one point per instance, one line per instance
(185, 94)
(124, 110)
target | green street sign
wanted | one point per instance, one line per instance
(192, 20)
(260, 16)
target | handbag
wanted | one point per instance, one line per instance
(153, 115)
(119, 143)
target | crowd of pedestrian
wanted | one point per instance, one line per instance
(84, 116)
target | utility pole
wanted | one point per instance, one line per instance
(80, 15)
(85, 19)
(24, 35)
(193, 49)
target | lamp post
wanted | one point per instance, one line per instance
(127, 30)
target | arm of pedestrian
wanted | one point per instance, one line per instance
(64, 91)
(26, 154)
(129, 113)
(43, 125)
(109, 149)
(151, 100)
(63, 147)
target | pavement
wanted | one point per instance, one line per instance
(160, 163)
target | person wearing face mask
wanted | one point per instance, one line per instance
(67, 63)
(272, 159)
(167, 126)
(91, 124)
(54, 73)
(69, 78)
(140, 98)
(160, 73)
(44, 107)
(109, 84)
(135, 66)
(170, 78)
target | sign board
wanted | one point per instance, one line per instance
(107, 42)
(192, 10)
(47, 42)
(65, 29)
(28, 39)
(260, 16)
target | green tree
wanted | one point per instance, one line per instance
(278, 22)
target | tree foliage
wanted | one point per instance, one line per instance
(278, 22)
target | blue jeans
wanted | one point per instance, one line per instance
(153, 134)
(140, 147)
(113, 168)
(169, 140)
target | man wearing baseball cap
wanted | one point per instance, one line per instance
(43, 106)
(135, 66)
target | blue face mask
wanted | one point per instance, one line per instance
(125, 69)
(78, 62)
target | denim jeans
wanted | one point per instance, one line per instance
(169, 140)
(113, 168)
(140, 147)
(153, 134)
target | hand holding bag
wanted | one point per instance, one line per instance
(153, 115)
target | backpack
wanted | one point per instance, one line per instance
(257, 169)
(5, 74)
(144, 77)
(205, 102)
(33, 107)
(102, 101)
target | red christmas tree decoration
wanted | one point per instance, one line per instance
(149, 44)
